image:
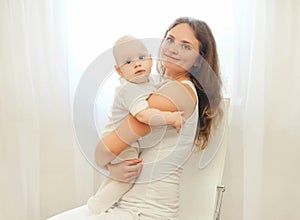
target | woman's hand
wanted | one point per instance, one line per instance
(125, 171)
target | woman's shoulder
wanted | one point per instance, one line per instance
(180, 88)
(174, 96)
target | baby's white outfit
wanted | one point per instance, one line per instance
(129, 98)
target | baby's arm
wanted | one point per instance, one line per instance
(111, 145)
(156, 117)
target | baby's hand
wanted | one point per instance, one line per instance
(178, 120)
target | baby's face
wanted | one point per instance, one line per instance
(134, 62)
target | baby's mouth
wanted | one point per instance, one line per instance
(139, 72)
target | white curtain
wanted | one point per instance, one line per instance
(41, 169)
(261, 169)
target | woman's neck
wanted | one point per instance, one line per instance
(177, 76)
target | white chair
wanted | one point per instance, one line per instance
(201, 187)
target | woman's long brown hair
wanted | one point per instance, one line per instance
(205, 77)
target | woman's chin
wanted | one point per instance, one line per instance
(173, 67)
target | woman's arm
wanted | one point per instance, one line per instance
(172, 96)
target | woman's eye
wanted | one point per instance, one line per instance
(185, 47)
(170, 40)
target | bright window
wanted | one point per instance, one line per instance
(93, 27)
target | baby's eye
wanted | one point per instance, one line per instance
(141, 57)
(185, 47)
(169, 40)
(128, 62)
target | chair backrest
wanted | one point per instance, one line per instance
(202, 174)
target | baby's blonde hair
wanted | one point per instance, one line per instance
(126, 39)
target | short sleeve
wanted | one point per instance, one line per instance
(138, 105)
(134, 97)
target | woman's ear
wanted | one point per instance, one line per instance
(118, 69)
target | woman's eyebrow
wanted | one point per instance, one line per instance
(182, 41)
(170, 35)
(186, 42)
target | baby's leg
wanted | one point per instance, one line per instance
(111, 190)
(107, 196)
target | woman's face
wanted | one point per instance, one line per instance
(180, 50)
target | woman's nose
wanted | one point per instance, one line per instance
(174, 49)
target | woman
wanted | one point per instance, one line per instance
(192, 84)
(195, 89)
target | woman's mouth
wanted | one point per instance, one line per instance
(170, 58)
